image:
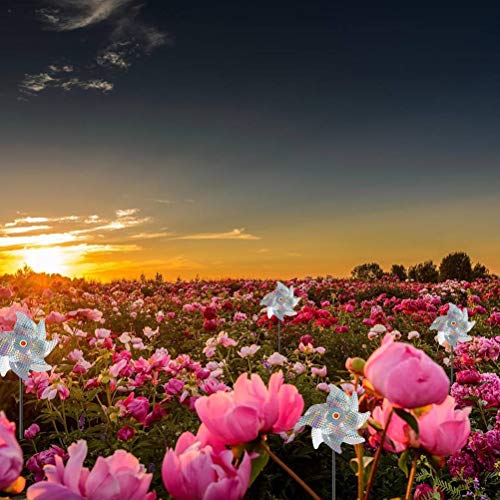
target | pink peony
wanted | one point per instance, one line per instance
(406, 376)
(195, 471)
(11, 455)
(397, 437)
(251, 409)
(444, 430)
(31, 431)
(119, 476)
(37, 462)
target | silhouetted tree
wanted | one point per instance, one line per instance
(480, 271)
(426, 272)
(367, 272)
(400, 271)
(455, 266)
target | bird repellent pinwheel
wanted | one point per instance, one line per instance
(24, 350)
(335, 422)
(453, 328)
(280, 303)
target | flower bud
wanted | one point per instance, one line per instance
(355, 365)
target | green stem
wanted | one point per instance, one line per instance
(290, 471)
(377, 456)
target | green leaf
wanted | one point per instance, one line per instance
(403, 462)
(408, 418)
(258, 463)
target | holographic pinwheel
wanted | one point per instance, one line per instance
(280, 303)
(335, 422)
(23, 350)
(453, 328)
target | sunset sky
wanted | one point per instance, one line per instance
(255, 139)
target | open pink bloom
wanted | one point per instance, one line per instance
(444, 430)
(406, 376)
(118, 477)
(11, 455)
(398, 434)
(194, 471)
(251, 409)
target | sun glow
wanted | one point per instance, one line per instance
(47, 260)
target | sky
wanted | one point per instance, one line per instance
(246, 139)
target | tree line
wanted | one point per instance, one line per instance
(456, 265)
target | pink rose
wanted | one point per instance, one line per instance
(406, 376)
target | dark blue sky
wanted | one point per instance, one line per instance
(290, 119)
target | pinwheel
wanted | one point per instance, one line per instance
(335, 422)
(280, 303)
(453, 328)
(24, 350)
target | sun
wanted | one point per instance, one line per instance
(51, 260)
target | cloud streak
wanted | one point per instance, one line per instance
(235, 234)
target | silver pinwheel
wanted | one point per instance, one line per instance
(281, 302)
(453, 327)
(24, 349)
(337, 421)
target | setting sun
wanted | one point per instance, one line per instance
(46, 260)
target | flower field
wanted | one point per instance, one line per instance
(181, 392)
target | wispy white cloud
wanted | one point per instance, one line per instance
(235, 234)
(150, 236)
(128, 38)
(69, 15)
(34, 84)
(24, 229)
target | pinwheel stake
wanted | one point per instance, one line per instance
(22, 350)
(280, 303)
(335, 422)
(453, 328)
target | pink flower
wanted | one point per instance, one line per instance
(318, 372)
(37, 462)
(277, 359)
(136, 407)
(31, 431)
(444, 430)
(55, 317)
(11, 455)
(396, 439)
(194, 471)
(406, 376)
(119, 476)
(251, 409)
(125, 433)
(248, 350)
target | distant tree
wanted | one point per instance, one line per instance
(480, 271)
(142, 277)
(400, 271)
(159, 277)
(455, 266)
(426, 272)
(367, 272)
